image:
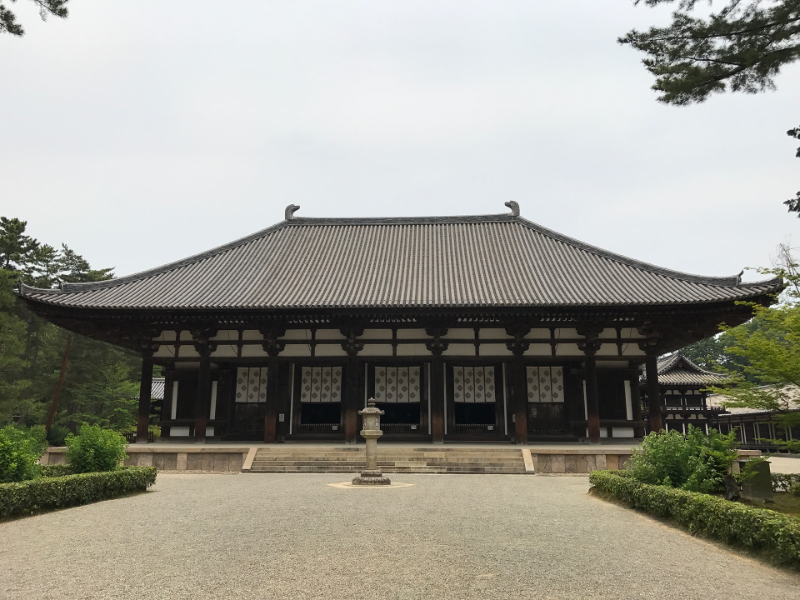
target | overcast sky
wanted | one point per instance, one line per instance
(140, 132)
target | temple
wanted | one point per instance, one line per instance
(682, 395)
(461, 328)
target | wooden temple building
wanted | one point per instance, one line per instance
(681, 395)
(461, 328)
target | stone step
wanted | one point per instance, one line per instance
(435, 470)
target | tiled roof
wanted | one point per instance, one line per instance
(676, 369)
(495, 260)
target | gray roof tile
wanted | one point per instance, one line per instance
(496, 260)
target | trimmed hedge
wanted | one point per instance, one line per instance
(56, 470)
(774, 533)
(48, 493)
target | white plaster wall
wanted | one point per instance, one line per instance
(608, 333)
(568, 350)
(329, 334)
(225, 351)
(622, 432)
(329, 350)
(567, 333)
(226, 335)
(378, 334)
(491, 333)
(495, 350)
(538, 350)
(376, 350)
(462, 334)
(252, 334)
(296, 350)
(189, 351)
(166, 336)
(539, 332)
(179, 431)
(412, 350)
(165, 352)
(632, 349)
(297, 334)
(608, 349)
(253, 350)
(408, 334)
(459, 350)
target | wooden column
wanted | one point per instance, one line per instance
(166, 407)
(592, 399)
(350, 401)
(203, 406)
(436, 347)
(520, 397)
(437, 399)
(145, 396)
(589, 347)
(636, 401)
(653, 396)
(519, 384)
(272, 347)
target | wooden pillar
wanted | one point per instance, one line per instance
(520, 399)
(204, 348)
(166, 407)
(653, 396)
(437, 399)
(436, 347)
(589, 347)
(636, 402)
(519, 384)
(271, 409)
(203, 405)
(273, 348)
(350, 401)
(145, 396)
(592, 399)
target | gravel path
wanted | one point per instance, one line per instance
(293, 536)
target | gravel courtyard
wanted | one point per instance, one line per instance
(294, 536)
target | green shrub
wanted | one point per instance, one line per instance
(48, 493)
(57, 435)
(95, 449)
(57, 470)
(775, 533)
(696, 462)
(19, 451)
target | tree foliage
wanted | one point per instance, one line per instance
(98, 387)
(9, 23)
(742, 47)
(769, 353)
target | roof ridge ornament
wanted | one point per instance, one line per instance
(514, 208)
(290, 210)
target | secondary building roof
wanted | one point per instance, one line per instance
(678, 370)
(473, 261)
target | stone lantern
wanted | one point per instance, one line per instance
(371, 432)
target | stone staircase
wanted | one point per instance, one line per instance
(390, 460)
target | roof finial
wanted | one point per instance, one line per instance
(514, 208)
(290, 210)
